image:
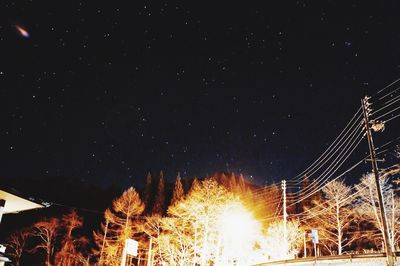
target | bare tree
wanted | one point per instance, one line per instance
(333, 216)
(71, 244)
(368, 207)
(16, 244)
(192, 221)
(46, 230)
(276, 246)
(152, 229)
(100, 237)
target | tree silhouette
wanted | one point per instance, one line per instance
(159, 202)
(178, 192)
(148, 190)
(16, 244)
(71, 245)
(46, 230)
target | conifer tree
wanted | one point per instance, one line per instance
(178, 192)
(195, 184)
(241, 183)
(121, 224)
(224, 180)
(148, 189)
(159, 202)
(232, 182)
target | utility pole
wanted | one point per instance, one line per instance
(103, 243)
(149, 255)
(366, 111)
(305, 244)
(285, 237)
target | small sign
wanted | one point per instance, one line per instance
(131, 247)
(314, 236)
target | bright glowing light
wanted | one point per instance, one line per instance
(239, 233)
(236, 222)
(22, 31)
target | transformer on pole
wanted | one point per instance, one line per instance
(366, 112)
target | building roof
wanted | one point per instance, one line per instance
(15, 204)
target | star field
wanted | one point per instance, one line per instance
(106, 91)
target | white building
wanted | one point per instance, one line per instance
(11, 203)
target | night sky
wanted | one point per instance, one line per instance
(106, 91)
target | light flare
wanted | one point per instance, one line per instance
(21, 31)
(239, 234)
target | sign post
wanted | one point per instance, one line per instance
(314, 237)
(130, 248)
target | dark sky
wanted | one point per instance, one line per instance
(106, 91)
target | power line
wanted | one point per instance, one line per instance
(390, 119)
(338, 138)
(388, 86)
(385, 114)
(345, 144)
(338, 161)
(342, 174)
(332, 153)
(387, 104)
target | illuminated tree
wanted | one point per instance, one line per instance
(152, 228)
(196, 218)
(232, 182)
(308, 200)
(197, 228)
(71, 245)
(333, 216)
(275, 245)
(46, 230)
(241, 184)
(100, 237)
(120, 225)
(175, 246)
(159, 201)
(194, 185)
(16, 244)
(368, 207)
(222, 179)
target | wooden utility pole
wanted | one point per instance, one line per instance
(366, 111)
(149, 255)
(103, 243)
(285, 237)
(305, 244)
